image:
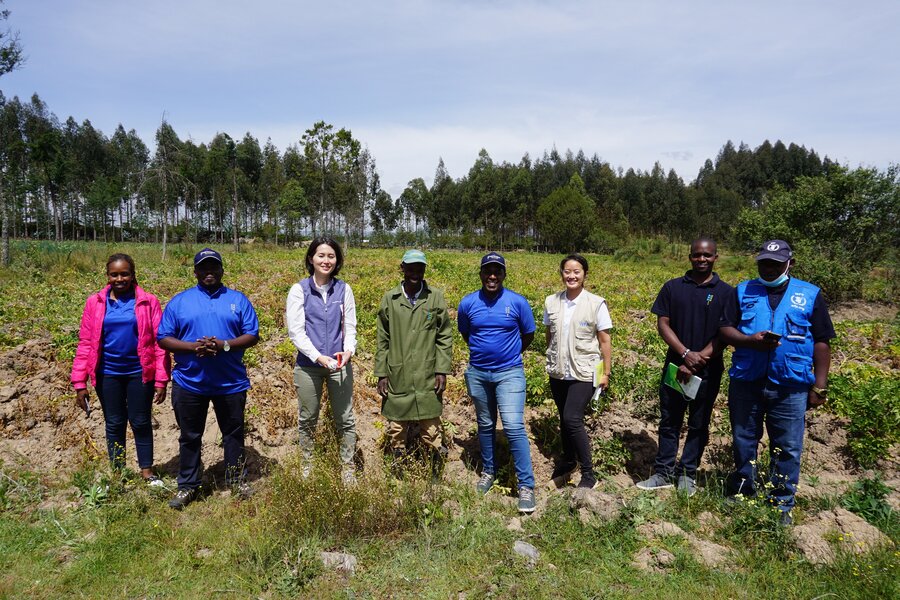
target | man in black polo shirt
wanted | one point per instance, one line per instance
(688, 310)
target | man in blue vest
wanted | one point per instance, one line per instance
(207, 328)
(781, 330)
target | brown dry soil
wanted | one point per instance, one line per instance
(42, 430)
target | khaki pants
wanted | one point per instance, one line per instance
(430, 431)
(309, 382)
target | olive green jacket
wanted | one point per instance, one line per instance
(414, 343)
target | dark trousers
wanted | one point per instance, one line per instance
(672, 406)
(126, 399)
(190, 413)
(572, 398)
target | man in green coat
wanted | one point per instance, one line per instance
(413, 357)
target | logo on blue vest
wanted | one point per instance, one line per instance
(798, 300)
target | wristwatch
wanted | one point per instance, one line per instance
(225, 346)
(820, 392)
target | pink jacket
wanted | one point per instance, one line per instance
(155, 364)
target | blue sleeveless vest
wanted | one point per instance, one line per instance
(324, 319)
(791, 363)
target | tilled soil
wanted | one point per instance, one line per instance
(43, 430)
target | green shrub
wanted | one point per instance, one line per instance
(870, 399)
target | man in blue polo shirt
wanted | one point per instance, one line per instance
(207, 328)
(498, 325)
(781, 331)
(687, 312)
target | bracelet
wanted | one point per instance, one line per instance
(685, 353)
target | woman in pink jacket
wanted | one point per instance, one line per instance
(117, 352)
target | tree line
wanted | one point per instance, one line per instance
(68, 180)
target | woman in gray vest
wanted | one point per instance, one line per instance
(321, 322)
(578, 362)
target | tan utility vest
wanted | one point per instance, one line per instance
(582, 349)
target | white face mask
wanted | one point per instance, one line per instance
(778, 280)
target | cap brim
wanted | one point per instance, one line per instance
(770, 256)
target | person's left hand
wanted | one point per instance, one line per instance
(440, 384)
(159, 395)
(813, 399)
(684, 374)
(343, 358)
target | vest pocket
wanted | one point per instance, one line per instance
(799, 368)
(796, 327)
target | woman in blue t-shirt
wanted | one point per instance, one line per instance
(117, 352)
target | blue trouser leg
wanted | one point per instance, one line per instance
(785, 423)
(746, 407)
(510, 393)
(482, 390)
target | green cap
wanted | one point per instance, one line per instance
(414, 256)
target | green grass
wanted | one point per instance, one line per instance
(59, 537)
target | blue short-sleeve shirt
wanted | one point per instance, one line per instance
(495, 328)
(196, 313)
(120, 338)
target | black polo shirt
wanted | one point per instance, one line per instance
(821, 327)
(694, 312)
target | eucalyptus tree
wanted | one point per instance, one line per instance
(46, 162)
(331, 159)
(416, 200)
(162, 178)
(12, 167)
(271, 183)
(248, 161)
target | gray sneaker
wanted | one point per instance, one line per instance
(526, 500)
(687, 485)
(485, 483)
(656, 482)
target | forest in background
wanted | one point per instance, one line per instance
(70, 181)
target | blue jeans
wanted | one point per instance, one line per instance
(751, 403)
(190, 414)
(504, 391)
(126, 399)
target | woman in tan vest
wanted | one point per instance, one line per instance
(578, 362)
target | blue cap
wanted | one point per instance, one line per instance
(493, 258)
(205, 254)
(414, 256)
(777, 250)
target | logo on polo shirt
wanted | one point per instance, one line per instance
(798, 300)
(234, 308)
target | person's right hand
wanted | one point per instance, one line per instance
(684, 374)
(759, 341)
(81, 399)
(382, 387)
(206, 346)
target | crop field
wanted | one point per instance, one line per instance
(71, 527)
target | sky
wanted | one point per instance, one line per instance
(415, 81)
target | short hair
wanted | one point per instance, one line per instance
(328, 241)
(705, 239)
(577, 258)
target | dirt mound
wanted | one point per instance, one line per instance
(824, 535)
(44, 431)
